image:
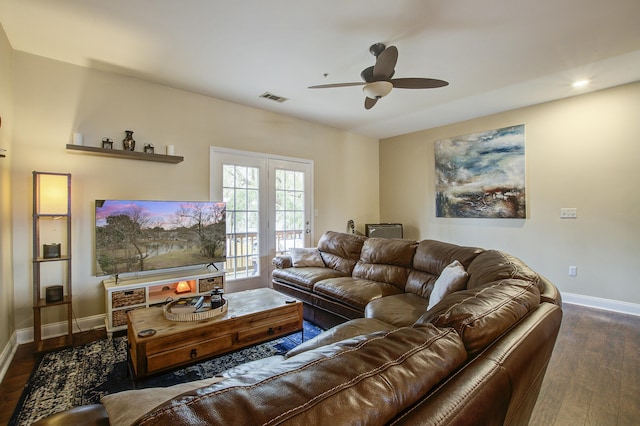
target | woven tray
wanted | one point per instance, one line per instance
(203, 314)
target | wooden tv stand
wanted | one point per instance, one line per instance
(253, 316)
(152, 290)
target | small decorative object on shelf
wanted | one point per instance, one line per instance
(54, 293)
(148, 148)
(77, 138)
(128, 144)
(107, 143)
(50, 251)
(183, 287)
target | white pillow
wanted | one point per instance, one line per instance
(124, 408)
(306, 257)
(452, 278)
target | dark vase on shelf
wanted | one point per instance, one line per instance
(128, 144)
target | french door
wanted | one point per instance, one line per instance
(269, 204)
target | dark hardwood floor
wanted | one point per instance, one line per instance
(593, 377)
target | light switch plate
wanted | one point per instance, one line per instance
(573, 271)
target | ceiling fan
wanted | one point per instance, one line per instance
(377, 79)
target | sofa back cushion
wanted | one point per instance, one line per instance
(368, 380)
(340, 251)
(493, 265)
(430, 259)
(482, 314)
(386, 260)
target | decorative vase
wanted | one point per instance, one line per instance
(128, 144)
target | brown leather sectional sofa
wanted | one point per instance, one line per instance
(478, 357)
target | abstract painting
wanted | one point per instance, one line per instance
(481, 175)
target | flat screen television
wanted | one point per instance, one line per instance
(136, 235)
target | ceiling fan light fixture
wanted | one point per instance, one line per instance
(377, 89)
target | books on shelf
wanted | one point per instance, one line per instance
(187, 305)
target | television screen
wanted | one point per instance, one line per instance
(133, 236)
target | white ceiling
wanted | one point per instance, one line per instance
(496, 54)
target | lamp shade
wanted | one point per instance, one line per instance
(53, 193)
(377, 89)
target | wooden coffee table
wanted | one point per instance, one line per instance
(253, 316)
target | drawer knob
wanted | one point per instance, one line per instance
(194, 353)
(271, 331)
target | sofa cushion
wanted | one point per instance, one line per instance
(401, 310)
(305, 277)
(377, 378)
(482, 314)
(354, 292)
(301, 257)
(493, 265)
(348, 330)
(340, 251)
(386, 260)
(453, 278)
(430, 260)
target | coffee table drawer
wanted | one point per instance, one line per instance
(187, 354)
(269, 330)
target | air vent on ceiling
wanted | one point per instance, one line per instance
(273, 97)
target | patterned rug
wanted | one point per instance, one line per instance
(83, 374)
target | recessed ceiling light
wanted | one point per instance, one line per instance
(580, 83)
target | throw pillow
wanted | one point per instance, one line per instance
(452, 278)
(306, 257)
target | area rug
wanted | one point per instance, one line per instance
(83, 374)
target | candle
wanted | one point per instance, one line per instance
(170, 149)
(77, 138)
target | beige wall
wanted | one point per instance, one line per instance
(581, 152)
(53, 99)
(6, 279)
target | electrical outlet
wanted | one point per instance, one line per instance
(568, 213)
(573, 271)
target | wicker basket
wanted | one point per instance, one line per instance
(203, 314)
(120, 299)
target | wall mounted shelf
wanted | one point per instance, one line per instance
(132, 155)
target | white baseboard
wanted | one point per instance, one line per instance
(25, 335)
(600, 303)
(7, 355)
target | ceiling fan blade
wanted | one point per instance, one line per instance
(418, 83)
(369, 103)
(325, 86)
(385, 63)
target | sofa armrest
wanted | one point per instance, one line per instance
(282, 262)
